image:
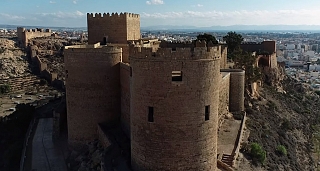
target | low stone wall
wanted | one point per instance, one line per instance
(236, 150)
(223, 166)
(42, 69)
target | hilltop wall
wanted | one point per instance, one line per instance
(24, 35)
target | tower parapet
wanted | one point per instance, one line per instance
(113, 27)
(112, 15)
(196, 53)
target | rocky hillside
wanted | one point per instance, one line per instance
(285, 119)
(12, 60)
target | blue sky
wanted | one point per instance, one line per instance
(200, 13)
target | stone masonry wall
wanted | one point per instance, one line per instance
(224, 96)
(180, 138)
(117, 28)
(236, 93)
(125, 97)
(24, 35)
(92, 90)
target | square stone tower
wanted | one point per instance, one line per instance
(113, 28)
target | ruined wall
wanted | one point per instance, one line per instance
(273, 60)
(236, 93)
(92, 90)
(224, 96)
(125, 97)
(179, 138)
(267, 46)
(116, 28)
(24, 35)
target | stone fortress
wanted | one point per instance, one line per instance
(169, 98)
(24, 34)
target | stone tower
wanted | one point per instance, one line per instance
(174, 108)
(113, 28)
(92, 89)
(236, 94)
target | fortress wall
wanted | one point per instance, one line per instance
(224, 96)
(180, 138)
(273, 61)
(236, 93)
(92, 90)
(133, 27)
(29, 34)
(113, 26)
(20, 31)
(223, 60)
(176, 53)
(251, 47)
(125, 51)
(269, 46)
(41, 65)
(125, 97)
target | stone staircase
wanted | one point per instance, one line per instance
(227, 159)
(20, 83)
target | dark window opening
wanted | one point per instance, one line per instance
(150, 115)
(130, 71)
(174, 49)
(104, 42)
(207, 113)
(176, 76)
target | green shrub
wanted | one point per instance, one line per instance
(258, 153)
(43, 82)
(5, 88)
(282, 150)
(2, 50)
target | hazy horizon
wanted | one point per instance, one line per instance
(201, 13)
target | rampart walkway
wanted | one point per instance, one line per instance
(46, 156)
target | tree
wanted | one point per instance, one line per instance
(258, 153)
(233, 41)
(246, 61)
(207, 38)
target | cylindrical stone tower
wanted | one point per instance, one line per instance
(92, 89)
(236, 93)
(174, 109)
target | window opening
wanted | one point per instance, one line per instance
(150, 114)
(207, 112)
(176, 76)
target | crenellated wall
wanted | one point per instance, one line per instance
(113, 28)
(24, 35)
(176, 53)
(265, 46)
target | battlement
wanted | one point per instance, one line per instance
(93, 48)
(36, 30)
(112, 15)
(197, 53)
